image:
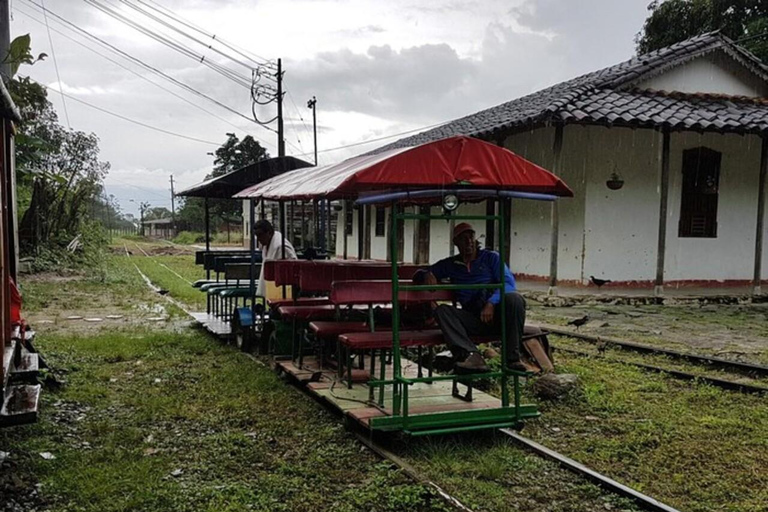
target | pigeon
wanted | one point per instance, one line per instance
(601, 346)
(599, 282)
(578, 322)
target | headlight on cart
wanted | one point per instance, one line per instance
(450, 202)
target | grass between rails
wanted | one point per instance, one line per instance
(174, 421)
(692, 446)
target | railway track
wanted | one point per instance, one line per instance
(714, 381)
(641, 500)
(749, 369)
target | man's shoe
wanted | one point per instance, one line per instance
(473, 364)
(517, 366)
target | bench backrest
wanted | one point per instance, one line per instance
(320, 277)
(241, 271)
(209, 257)
(220, 262)
(380, 292)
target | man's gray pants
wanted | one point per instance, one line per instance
(459, 325)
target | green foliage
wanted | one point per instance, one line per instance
(235, 154)
(233, 237)
(86, 250)
(20, 52)
(59, 178)
(672, 21)
(189, 237)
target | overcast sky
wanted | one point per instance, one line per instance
(377, 68)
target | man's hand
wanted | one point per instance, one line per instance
(486, 315)
(430, 279)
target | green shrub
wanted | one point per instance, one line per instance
(234, 238)
(189, 237)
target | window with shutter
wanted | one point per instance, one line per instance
(700, 191)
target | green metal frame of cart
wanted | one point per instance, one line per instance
(510, 414)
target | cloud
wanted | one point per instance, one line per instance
(81, 91)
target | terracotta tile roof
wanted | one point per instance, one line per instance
(608, 96)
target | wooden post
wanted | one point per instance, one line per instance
(756, 282)
(343, 221)
(360, 232)
(367, 231)
(557, 149)
(490, 225)
(661, 246)
(507, 234)
(421, 237)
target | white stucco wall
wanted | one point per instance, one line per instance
(731, 254)
(715, 73)
(621, 235)
(532, 220)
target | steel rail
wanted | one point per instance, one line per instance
(749, 368)
(721, 383)
(646, 502)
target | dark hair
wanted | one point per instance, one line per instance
(263, 225)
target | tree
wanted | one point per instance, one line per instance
(235, 154)
(59, 174)
(673, 21)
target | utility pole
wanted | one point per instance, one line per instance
(280, 137)
(173, 208)
(5, 39)
(321, 232)
(312, 104)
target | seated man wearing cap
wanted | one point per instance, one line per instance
(480, 313)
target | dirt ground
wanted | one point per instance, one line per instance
(733, 331)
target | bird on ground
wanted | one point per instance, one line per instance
(578, 322)
(601, 346)
(163, 291)
(599, 282)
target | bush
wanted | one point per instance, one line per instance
(87, 250)
(189, 237)
(234, 238)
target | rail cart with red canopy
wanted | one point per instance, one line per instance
(398, 396)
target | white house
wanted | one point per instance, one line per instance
(679, 134)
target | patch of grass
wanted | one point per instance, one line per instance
(174, 421)
(690, 445)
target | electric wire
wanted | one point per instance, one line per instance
(134, 72)
(128, 119)
(168, 41)
(256, 59)
(55, 64)
(140, 62)
(379, 139)
(181, 32)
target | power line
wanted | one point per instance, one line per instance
(124, 118)
(141, 63)
(173, 44)
(139, 75)
(185, 34)
(55, 64)
(258, 60)
(379, 139)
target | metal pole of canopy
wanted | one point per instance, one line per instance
(360, 232)
(303, 220)
(328, 241)
(263, 209)
(207, 236)
(251, 273)
(503, 310)
(316, 223)
(396, 370)
(281, 213)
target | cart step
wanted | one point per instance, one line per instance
(28, 367)
(21, 405)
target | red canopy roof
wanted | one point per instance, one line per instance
(455, 162)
